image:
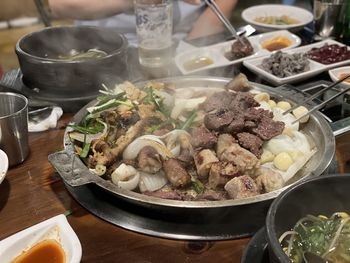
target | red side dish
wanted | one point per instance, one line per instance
(329, 54)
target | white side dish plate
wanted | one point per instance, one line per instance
(302, 15)
(254, 65)
(4, 165)
(53, 228)
(217, 52)
(335, 73)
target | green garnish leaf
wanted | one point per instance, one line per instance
(197, 185)
(189, 120)
(94, 129)
(85, 151)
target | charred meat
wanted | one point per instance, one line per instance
(240, 49)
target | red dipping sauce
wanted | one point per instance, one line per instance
(329, 54)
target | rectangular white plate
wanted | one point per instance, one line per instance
(254, 65)
(217, 52)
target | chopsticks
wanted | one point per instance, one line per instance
(224, 20)
(320, 106)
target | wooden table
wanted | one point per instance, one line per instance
(33, 192)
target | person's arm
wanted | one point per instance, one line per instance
(93, 9)
(208, 23)
(88, 9)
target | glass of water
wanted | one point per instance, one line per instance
(154, 25)
(326, 13)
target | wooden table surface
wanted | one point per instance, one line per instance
(33, 192)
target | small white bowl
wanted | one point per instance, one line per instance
(4, 165)
(335, 73)
(54, 228)
(250, 14)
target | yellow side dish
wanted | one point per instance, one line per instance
(197, 63)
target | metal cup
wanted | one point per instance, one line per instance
(14, 126)
(326, 14)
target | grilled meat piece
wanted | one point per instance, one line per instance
(268, 128)
(239, 83)
(128, 118)
(236, 125)
(201, 137)
(171, 195)
(149, 160)
(211, 195)
(176, 173)
(185, 157)
(268, 180)
(241, 187)
(204, 160)
(241, 49)
(230, 151)
(222, 172)
(105, 155)
(219, 100)
(224, 140)
(242, 101)
(250, 125)
(256, 114)
(250, 142)
(218, 119)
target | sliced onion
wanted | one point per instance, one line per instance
(185, 105)
(188, 92)
(172, 140)
(168, 100)
(152, 182)
(300, 142)
(130, 184)
(126, 177)
(135, 147)
(288, 119)
(280, 143)
(284, 143)
(88, 138)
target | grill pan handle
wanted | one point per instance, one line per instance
(71, 168)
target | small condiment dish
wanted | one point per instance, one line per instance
(335, 75)
(4, 164)
(56, 228)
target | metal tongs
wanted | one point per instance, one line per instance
(224, 20)
(320, 106)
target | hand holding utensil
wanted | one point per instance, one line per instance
(223, 19)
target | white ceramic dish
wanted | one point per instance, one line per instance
(335, 73)
(250, 14)
(254, 65)
(4, 165)
(14, 245)
(217, 52)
